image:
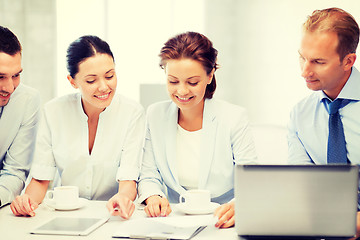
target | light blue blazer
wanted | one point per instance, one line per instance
(226, 141)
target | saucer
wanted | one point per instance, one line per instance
(210, 208)
(52, 204)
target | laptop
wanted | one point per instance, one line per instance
(280, 201)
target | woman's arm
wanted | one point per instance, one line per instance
(150, 182)
(128, 189)
(25, 204)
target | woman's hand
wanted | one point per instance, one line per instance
(226, 215)
(23, 206)
(357, 227)
(157, 206)
(121, 205)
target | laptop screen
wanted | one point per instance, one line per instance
(296, 200)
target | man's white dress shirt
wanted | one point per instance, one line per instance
(18, 127)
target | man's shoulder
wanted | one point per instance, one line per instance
(24, 91)
(309, 102)
(27, 89)
(25, 99)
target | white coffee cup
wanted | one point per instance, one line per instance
(64, 195)
(196, 198)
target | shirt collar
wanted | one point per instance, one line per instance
(351, 89)
(79, 106)
(82, 112)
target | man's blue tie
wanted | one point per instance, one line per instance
(336, 152)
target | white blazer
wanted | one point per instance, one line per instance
(226, 141)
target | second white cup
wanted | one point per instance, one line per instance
(196, 198)
(64, 195)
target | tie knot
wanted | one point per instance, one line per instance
(337, 104)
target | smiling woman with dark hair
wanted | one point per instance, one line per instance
(193, 141)
(92, 138)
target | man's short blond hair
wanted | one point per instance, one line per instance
(338, 21)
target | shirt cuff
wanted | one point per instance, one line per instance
(5, 196)
(128, 173)
(41, 172)
(147, 189)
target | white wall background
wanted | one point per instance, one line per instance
(135, 30)
(34, 23)
(257, 40)
(74, 19)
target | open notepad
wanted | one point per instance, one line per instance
(182, 227)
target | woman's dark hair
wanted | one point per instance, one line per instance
(195, 46)
(9, 43)
(83, 48)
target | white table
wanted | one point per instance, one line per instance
(12, 227)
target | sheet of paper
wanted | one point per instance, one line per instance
(182, 227)
(188, 221)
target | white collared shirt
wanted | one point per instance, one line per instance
(63, 145)
(18, 126)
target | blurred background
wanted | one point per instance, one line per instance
(257, 41)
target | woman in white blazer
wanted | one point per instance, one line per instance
(193, 141)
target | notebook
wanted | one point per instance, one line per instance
(296, 200)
